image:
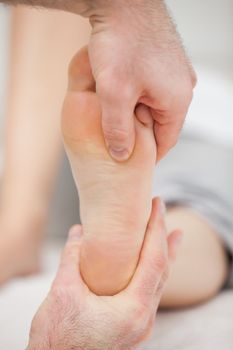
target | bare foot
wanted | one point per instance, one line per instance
(20, 248)
(115, 198)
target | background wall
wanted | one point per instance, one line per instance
(206, 27)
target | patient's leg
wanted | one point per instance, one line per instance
(201, 267)
(32, 147)
(115, 198)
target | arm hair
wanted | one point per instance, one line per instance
(75, 6)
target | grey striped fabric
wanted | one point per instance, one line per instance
(199, 174)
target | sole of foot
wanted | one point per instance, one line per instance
(115, 197)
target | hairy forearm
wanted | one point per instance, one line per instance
(81, 7)
(86, 8)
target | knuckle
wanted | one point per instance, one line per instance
(188, 96)
(161, 262)
(104, 87)
(175, 96)
(181, 97)
(110, 87)
(72, 249)
(165, 102)
(114, 134)
(178, 96)
(185, 93)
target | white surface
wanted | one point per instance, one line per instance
(19, 301)
(207, 327)
(206, 27)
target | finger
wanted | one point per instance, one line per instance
(169, 121)
(153, 259)
(68, 272)
(118, 103)
(80, 74)
(144, 115)
(150, 327)
(174, 242)
(166, 136)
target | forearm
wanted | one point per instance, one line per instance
(85, 8)
(74, 6)
(152, 12)
(42, 44)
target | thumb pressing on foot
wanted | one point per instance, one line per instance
(118, 104)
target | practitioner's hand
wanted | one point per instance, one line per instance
(137, 57)
(72, 317)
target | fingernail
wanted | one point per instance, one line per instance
(119, 153)
(162, 207)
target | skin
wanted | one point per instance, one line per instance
(32, 144)
(180, 291)
(104, 185)
(72, 317)
(155, 71)
(202, 266)
(115, 198)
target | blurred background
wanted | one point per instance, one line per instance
(206, 28)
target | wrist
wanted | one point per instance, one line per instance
(89, 8)
(38, 346)
(133, 15)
